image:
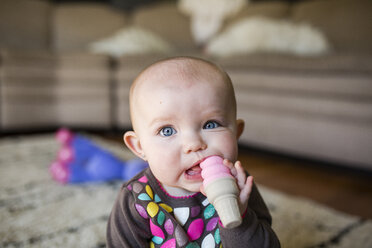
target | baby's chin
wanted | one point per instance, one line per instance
(180, 192)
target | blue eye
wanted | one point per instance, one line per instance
(167, 131)
(211, 125)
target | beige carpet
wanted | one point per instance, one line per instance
(37, 212)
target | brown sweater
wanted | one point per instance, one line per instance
(144, 215)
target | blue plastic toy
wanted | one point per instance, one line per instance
(80, 160)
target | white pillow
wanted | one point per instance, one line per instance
(131, 40)
(259, 34)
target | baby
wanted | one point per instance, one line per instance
(183, 110)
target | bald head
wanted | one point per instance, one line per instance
(179, 73)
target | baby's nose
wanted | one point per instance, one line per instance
(194, 143)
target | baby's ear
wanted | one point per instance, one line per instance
(239, 128)
(133, 143)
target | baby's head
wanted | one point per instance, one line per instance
(183, 110)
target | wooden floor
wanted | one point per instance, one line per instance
(343, 189)
(338, 187)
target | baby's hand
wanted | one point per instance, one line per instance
(244, 183)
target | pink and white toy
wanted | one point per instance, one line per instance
(222, 191)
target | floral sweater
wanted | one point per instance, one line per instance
(144, 215)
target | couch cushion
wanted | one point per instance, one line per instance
(315, 138)
(347, 23)
(82, 93)
(26, 90)
(41, 90)
(326, 116)
(165, 20)
(24, 24)
(75, 25)
(309, 107)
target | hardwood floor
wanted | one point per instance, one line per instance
(338, 187)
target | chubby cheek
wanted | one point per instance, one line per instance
(163, 168)
(226, 144)
(164, 162)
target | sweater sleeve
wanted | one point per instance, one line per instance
(255, 230)
(126, 228)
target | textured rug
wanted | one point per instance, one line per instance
(37, 212)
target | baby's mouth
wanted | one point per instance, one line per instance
(195, 170)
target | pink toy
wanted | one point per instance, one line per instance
(221, 190)
(80, 160)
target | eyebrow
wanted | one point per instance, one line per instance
(155, 121)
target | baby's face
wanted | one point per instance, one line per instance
(180, 121)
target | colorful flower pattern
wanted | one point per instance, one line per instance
(195, 226)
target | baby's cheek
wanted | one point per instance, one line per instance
(164, 170)
(228, 146)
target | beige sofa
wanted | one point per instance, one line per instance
(318, 107)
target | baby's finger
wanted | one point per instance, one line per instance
(230, 165)
(246, 190)
(245, 193)
(240, 175)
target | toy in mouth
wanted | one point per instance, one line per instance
(221, 190)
